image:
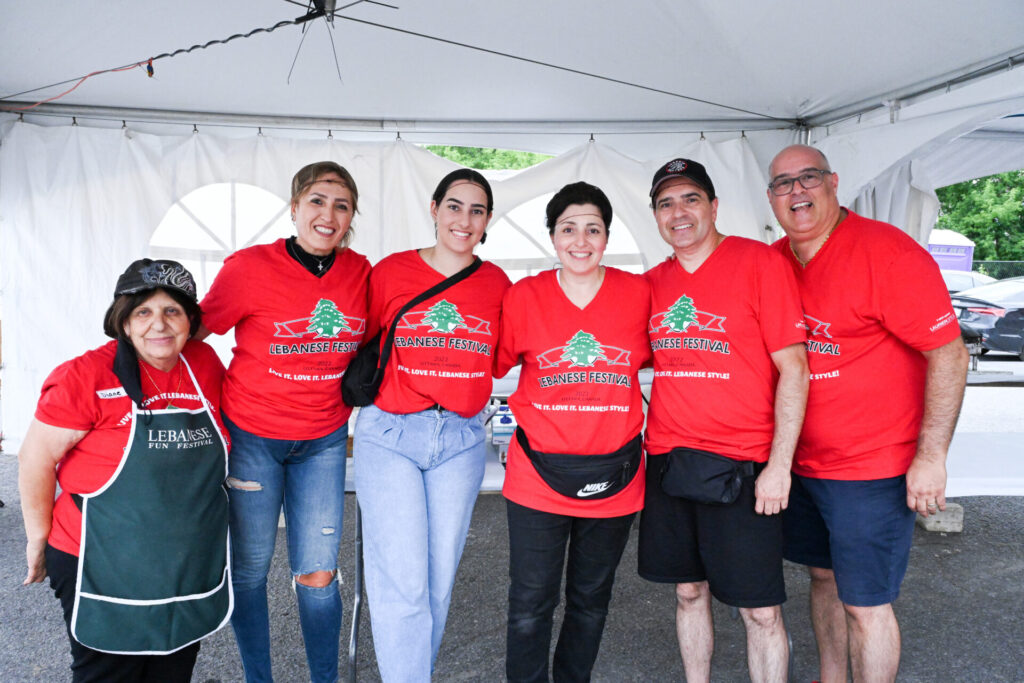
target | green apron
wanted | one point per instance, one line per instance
(153, 571)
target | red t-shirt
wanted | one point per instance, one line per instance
(294, 336)
(578, 389)
(84, 394)
(712, 333)
(444, 347)
(874, 299)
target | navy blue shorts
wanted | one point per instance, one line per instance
(861, 530)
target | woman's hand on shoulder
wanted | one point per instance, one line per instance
(202, 333)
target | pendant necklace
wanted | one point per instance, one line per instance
(820, 246)
(307, 259)
(170, 402)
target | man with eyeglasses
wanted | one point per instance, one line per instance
(887, 378)
(730, 383)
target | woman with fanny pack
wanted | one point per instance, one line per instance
(419, 448)
(574, 472)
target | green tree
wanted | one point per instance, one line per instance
(681, 314)
(989, 211)
(327, 320)
(482, 158)
(582, 350)
(443, 317)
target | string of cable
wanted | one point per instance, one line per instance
(148, 63)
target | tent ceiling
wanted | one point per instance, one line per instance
(784, 59)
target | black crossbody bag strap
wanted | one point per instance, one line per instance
(385, 352)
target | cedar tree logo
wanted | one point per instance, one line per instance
(582, 350)
(444, 318)
(682, 315)
(325, 322)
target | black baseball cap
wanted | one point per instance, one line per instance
(149, 274)
(146, 274)
(684, 168)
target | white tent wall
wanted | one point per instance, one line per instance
(997, 147)
(903, 197)
(883, 160)
(731, 164)
(79, 203)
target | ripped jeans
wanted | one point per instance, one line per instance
(308, 479)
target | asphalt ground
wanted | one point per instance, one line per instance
(961, 610)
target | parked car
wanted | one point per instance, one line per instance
(995, 314)
(959, 280)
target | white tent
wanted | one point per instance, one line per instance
(903, 97)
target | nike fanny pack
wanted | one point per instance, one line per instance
(586, 476)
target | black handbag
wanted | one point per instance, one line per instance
(586, 476)
(365, 372)
(703, 476)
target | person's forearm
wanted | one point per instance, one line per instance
(42, 449)
(790, 405)
(943, 395)
(37, 483)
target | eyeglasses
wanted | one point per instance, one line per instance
(811, 178)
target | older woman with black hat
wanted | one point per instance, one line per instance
(135, 545)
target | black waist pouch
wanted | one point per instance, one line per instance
(703, 476)
(362, 378)
(586, 476)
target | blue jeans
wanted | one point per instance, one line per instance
(537, 557)
(417, 478)
(308, 479)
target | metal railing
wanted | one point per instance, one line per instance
(999, 269)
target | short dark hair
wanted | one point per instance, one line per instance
(469, 174)
(578, 193)
(121, 309)
(311, 173)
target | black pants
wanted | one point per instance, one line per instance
(537, 556)
(89, 665)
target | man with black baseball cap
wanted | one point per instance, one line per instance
(730, 385)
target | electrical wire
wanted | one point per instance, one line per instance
(295, 59)
(557, 67)
(334, 51)
(164, 55)
(316, 14)
(69, 90)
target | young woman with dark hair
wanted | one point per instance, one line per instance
(419, 449)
